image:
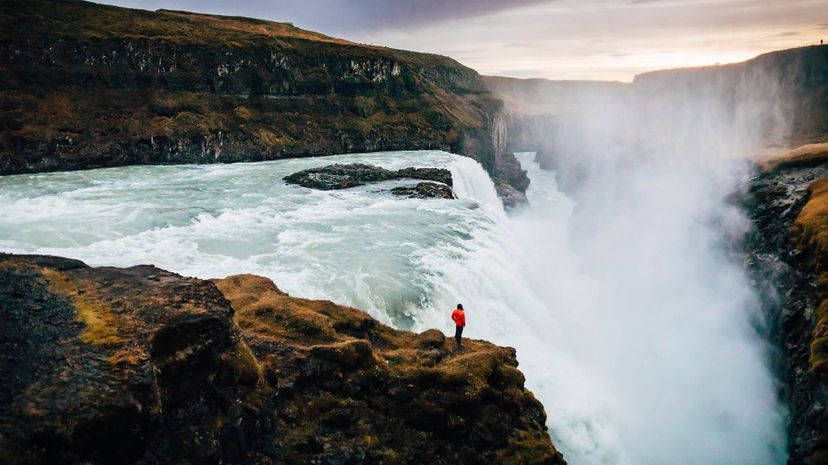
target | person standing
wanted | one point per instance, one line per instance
(459, 317)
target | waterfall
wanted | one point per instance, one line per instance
(632, 327)
(636, 335)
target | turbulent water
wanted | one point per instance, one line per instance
(633, 330)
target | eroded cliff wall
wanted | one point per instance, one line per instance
(86, 85)
(787, 201)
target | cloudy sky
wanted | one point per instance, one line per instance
(555, 39)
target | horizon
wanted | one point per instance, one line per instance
(567, 40)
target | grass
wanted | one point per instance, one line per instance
(101, 325)
(104, 111)
(809, 234)
(422, 373)
(802, 156)
(93, 21)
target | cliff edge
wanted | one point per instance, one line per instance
(788, 202)
(140, 365)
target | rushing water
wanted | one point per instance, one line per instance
(624, 381)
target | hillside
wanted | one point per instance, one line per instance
(140, 365)
(86, 85)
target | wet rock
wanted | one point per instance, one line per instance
(424, 190)
(344, 176)
(439, 175)
(784, 258)
(511, 197)
(511, 181)
(124, 358)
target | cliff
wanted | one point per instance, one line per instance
(798, 76)
(787, 89)
(139, 365)
(85, 85)
(780, 99)
(788, 202)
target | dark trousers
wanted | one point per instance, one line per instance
(458, 334)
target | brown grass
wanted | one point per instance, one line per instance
(809, 234)
(805, 155)
(101, 325)
(89, 20)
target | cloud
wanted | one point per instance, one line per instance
(786, 34)
(558, 39)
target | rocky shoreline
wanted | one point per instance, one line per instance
(140, 365)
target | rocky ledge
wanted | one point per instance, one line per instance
(424, 190)
(140, 365)
(788, 202)
(344, 176)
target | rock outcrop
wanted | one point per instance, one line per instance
(344, 176)
(86, 85)
(425, 190)
(140, 365)
(788, 202)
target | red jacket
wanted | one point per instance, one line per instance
(459, 317)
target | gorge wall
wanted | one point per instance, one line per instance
(86, 85)
(140, 365)
(787, 90)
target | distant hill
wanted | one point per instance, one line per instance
(799, 75)
(544, 96)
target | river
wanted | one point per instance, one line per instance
(631, 318)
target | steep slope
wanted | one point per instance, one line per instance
(139, 365)
(86, 85)
(788, 202)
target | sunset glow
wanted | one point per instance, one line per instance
(560, 39)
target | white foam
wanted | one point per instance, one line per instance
(622, 384)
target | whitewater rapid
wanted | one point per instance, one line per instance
(635, 365)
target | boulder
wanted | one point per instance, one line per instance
(338, 176)
(344, 176)
(424, 190)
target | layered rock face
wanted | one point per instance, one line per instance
(788, 202)
(87, 85)
(139, 365)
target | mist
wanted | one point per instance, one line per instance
(636, 252)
